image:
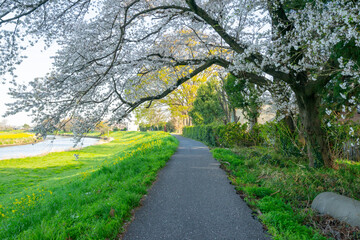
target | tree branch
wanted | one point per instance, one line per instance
(216, 26)
(33, 8)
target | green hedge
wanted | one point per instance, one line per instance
(230, 135)
(164, 126)
(278, 136)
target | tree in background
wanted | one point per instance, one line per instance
(152, 116)
(26, 127)
(228, 108)
(176, 106)
(103, 128)
(246, 96)
(180, 102)
(4, 125)
(170, 126)
(207, 106)
(66, 125)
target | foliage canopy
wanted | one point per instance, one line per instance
(113, 53)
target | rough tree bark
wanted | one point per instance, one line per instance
(315, 136)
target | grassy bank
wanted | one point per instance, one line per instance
(58, 197)
(281, 189)
(16, 138)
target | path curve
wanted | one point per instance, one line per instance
(192, 199)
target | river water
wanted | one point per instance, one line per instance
(50, 144)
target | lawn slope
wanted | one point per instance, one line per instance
(58, 197)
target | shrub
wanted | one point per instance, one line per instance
(279, 136)
(229, 135)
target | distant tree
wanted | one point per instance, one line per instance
(26, 127)
(180, 102)
(245, 96)
(66, 125)
(103, 128)
(3, 125)
(228, 108)
(177, 104)
(155, 115)
(170, 127)
(207, 106)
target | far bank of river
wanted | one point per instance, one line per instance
(50, 144)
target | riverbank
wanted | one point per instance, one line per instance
(89, 135)
(60, 196)
(102, 139)
(15, 138)
(49, 144)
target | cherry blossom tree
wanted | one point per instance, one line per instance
(112, 52)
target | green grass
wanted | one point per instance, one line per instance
(57, 197)
(16, 137)
(283, 188)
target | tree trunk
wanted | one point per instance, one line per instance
(317, 145)
(233, 116)
(289, 122)
(252, 123)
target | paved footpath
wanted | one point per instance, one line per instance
(192, 199)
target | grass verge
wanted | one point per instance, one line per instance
(281, 189)
(57, 197)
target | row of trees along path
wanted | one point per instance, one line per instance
(115, 56)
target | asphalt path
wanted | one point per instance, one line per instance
(192, 199)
